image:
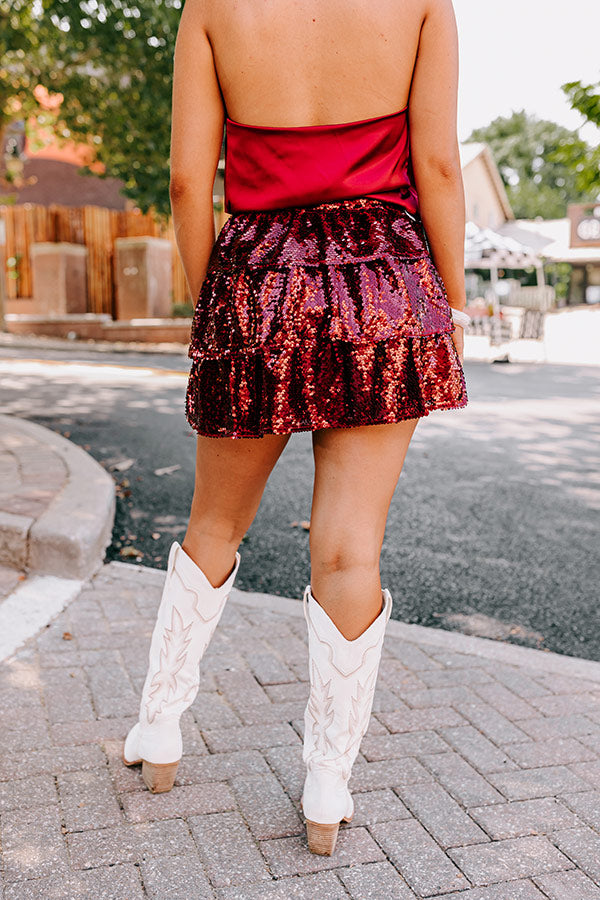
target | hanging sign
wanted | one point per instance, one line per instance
(585, 224)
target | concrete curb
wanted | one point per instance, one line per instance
(506, 654)
(24, 342)
(477, 349)
(14, 530)
(71, 535)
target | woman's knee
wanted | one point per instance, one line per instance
(343, 551)
(218, 525)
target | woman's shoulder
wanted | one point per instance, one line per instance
(438, 5)
(202, 12)
(442, 9)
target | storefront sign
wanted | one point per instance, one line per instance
(585, 224)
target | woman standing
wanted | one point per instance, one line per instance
(322, 306)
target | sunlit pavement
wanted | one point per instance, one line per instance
(493, 528)
(571, 337)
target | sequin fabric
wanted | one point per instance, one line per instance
(328, 316)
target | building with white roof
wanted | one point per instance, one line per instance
(496, 241)
(554, 240)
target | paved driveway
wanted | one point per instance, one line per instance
(493, 529)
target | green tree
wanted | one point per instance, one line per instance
(21, 59)
(113, 66)
(16, 41)
(534, 157)
(585, 98)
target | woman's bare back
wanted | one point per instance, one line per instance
(310, 62)
(314, 62)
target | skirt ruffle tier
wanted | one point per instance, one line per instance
(329, 316)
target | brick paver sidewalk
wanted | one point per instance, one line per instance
(477, 779)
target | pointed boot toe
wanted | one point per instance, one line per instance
(131, 755)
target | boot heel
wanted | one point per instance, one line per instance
(321, 838)
(159, 777)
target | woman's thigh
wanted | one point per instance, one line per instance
(356, 472)
(231, 474)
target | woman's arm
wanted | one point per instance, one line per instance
(196, 138)
(434, 148)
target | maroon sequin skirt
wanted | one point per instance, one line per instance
(328, 316)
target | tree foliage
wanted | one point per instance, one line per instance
(17, 45)
(22, 57)
(535, 158)
(585, 98)
(112, 62)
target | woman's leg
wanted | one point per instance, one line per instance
(356, 472)
(231, 475)
(230, 478)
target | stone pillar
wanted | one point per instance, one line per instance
(143, 277)
(59, 277)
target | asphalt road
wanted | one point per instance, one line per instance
(493, 529)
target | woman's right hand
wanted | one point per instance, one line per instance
(458, 336)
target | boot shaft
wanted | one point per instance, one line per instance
(189, 612)
(342, 675)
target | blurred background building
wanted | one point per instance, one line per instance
(76, 246)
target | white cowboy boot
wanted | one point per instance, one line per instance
(189, 611)
(342, 684)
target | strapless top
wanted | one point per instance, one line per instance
(275, 167)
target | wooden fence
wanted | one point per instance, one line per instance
(94, 226)
(537, 297)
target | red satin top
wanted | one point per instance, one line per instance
(274, 167)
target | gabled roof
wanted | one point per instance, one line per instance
(469, 152)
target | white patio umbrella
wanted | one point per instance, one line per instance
(486, 249)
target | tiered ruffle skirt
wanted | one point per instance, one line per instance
(329, 316)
